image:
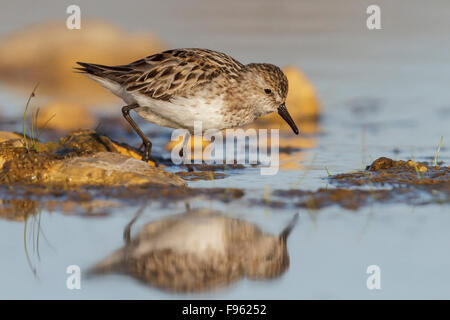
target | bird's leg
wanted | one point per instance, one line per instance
(182, 154)
(127, 231)
(185, 142)
(145, 141)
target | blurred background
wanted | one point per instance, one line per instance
(357, 94)
(328, 42)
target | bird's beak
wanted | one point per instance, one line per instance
(283, 112)
(287, 231)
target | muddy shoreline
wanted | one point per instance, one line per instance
(88, 172)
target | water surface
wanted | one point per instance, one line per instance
(381, 90)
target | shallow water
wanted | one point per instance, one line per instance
(381, 90)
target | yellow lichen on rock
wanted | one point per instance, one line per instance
(418, 166)
(126, 151)
(47, 52)
(302, 103)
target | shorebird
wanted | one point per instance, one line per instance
(198, 250)
(178, 87)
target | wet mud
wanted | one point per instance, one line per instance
(385, 171)
(205, 171)
(88, 173)
(21, 200)
(384, 181)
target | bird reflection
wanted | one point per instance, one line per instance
(199, 250)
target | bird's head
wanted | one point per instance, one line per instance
(268, 256)
(268, 88)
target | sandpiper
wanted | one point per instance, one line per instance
(178, 87)
(199, 250)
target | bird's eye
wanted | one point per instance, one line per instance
(268, 91)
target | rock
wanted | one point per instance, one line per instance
(109, 169)
(24, 166)
(9, 140)
(64, 116)
(130, 152)
(386, 163)
(418, 166)
(47, 52)
(399, 173)
(381, 163)
(85, 142)
(7, 135)
(81, 158)
(13, 138)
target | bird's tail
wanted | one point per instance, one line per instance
(102, 71)
(90, 68)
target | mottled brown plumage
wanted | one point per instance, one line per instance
(177, 72)
(179, 87)
(199, 250)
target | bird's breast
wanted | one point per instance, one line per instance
(201, 236)
(204, 112)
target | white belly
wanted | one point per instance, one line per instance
(181, 112)
(194, 235)
(178, 113)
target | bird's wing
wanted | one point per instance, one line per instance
(170, 270)
(170, 73)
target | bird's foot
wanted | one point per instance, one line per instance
(148, 157)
